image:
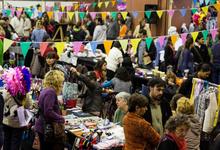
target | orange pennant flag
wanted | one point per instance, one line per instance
(107, 45)
(217, 6)
(104, 14)
(76, 6)
(174, 39)
(50, 14)
(113, 2)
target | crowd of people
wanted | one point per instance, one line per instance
(159, 116)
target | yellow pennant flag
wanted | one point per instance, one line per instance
(50, 14)
(104, 14)
(124, 44)
(160, 13)
(194, 35)
(134, 43)
(106, 4)
(205, 9)
(124, 14)
(62, 8)
(19, 9)
(7, 43)
(76, 6)
(100, 4)
(217, 6)
(174, 39)
(113, 2)
(60, 47)
(70, 14)
(107, 45)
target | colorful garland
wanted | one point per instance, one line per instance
(17, 80)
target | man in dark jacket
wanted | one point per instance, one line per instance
(1, 119)
(204, 71)
(159, 110)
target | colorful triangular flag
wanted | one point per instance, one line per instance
(183, 37)
(8, 12)
(107, 45)
(76, 47)
(183, 12)
(134, 43)
(43, 48)
(194, 10)
(205, 9)
(104, 15)
(60, 47)
(1, 53)
(217, 6)
(207, 2)
(205, 34)
(50, 14)
(170, 12)
(148, 14)
(114, 15)
(25, 47)
(93, 15)
(174, 39)
(94, 4)
(70, 14)
(82, 15)
(124, 44)
(160, 13)
(148, 42)
(124, 14)
(135, 14)
(7, 43)
(60, 14)
(106, 4)
(100, 4)
(62, 8)
(113, 2)
(93, 45)
(214, 32)
(161, 40)
(194, 35)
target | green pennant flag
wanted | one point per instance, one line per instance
(25, 47)
(30, 13)
(194, 10)
(8, 12)
(55, 8)
(114, 15)
(149, 41)
(148, 14)
(205, 34)
(82, 15)
(94, 4)
(212, 1)
(1, 52)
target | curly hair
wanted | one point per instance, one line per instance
(177, 121)
(184, 106)
(54, 79)
(137, 100)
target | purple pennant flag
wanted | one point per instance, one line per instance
(183, 37)
(93, 15)
(76, 47)
(214, 33)
(18, 13)
(170, 12)
(60, 14)
(69, 8)
(161, 40)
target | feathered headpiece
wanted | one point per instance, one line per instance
(17, 80)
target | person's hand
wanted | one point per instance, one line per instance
(73, 70)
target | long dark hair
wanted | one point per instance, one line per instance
(189, 41)
(123, 74)
(99, 65)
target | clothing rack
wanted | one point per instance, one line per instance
(197, 80)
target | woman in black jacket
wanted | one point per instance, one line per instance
(169, 55)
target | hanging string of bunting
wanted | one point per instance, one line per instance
(7, 43)
(135, 14)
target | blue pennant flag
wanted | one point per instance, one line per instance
(93, 46)
(135, 14)
(183, 12)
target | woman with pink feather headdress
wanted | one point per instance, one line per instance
(17, 85)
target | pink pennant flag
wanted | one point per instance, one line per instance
(214, 32)
(93, 15)
(170, 12)
(183, 37)
(60, 14)
(69, 8)
(13, 11)
(18, 12)
(76, 46)
(47, 8)
(161, 40)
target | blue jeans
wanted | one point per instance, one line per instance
(12, 138)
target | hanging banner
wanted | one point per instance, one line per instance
(124, 44)
(107, 45)
(134, 43)
(7, 43)
(25, 47)
(148, 42)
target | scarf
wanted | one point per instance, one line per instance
(180, 143)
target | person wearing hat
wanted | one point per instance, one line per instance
(122, 103)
